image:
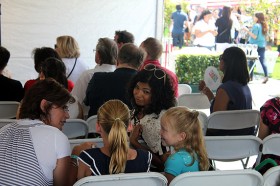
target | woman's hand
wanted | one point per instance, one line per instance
(135, 134)
(84, 146)
(205, 90)
(201, 85)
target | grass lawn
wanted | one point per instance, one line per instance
(276, 71)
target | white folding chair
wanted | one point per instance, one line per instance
(184, 89)
(232, 148)
(219, 178)
(272, 176)
(270, 145)
(203, 120)
(194, 101)
(91, 121)
(75, 128)
(8, 109)
(234, 119)
(126, 179)
(98, 141)
(4, 122)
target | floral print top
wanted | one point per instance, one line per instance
(270, 114)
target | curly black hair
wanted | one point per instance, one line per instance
(163, 96)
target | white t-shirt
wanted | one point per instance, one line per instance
(50, 144)
(207, 39)
(80, 67)
(81, 84)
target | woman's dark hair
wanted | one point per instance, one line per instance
(47, 89)
(204, 13)
(235, 66)
(226, 14)
(54, 68)
(41, 54)
(107, 50)
(161, 91)
(261, 20)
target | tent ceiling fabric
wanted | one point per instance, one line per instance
(27, 24)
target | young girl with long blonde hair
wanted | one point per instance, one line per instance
(181, 129)
(115, 156)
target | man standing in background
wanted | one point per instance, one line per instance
(179, 21)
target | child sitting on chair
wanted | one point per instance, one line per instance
(181, 129)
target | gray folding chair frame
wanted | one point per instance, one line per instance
(184, 89)
(91, 121)
(270, 145)
(219, 178)
(272, 176)
(194, 101)
(126, 179)
(74, 128)
(8, 109)
(234, 119)
(232, 148)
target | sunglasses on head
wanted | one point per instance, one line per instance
(158, 72)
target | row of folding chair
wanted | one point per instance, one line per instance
(230, 120)
(202, 178)
(74, 128)
(8, 109)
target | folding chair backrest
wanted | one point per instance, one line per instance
(4, 122)
(219, 178)
(8, 109)
(234, 119)
(91, 121)
(203, 120)
(231, 148)
(75, 128)
(98, 141)
(127, 179)
(184, 89)
(194, 101)
(272, 176)
(271, 144)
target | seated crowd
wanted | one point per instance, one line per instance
(134, 98)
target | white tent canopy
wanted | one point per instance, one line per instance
(27, 24)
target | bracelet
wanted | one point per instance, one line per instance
(74, 157)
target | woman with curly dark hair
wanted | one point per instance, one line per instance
(151, 93)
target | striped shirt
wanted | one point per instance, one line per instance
(18, 160)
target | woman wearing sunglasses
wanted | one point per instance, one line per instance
(33, 150)
(234, 92)
(151, 93)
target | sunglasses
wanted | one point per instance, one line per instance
(158, 72)
(65, 108)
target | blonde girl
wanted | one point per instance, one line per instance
(181, 129)
(116, 156)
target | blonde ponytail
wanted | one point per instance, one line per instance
(113, 116)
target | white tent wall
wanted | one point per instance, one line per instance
(27, 24)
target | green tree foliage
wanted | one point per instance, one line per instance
(270, 10)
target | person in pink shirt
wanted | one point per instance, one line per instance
(153, 49)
